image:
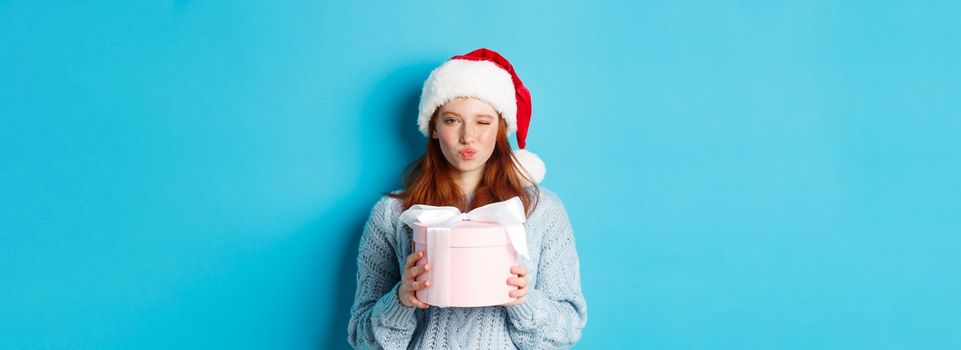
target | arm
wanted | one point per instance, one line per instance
(554, 312)
(377, 318)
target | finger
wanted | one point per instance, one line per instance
(519, 271)
(417, 270)
(405, 286)
(418, 285)
(517, 301)
(519, 293)
(417, 302)
(520, 282)
(414, 302)
(412, 259)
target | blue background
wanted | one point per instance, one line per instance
(745, 175)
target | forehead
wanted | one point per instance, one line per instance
(468, 106)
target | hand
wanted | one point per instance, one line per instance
(520, 294)
(409, 283)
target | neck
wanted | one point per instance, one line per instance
(467, 181)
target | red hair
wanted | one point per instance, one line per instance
(428, 181)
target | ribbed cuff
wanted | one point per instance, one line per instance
(392, 313)
(526, 312)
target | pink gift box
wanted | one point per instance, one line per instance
(470, 264)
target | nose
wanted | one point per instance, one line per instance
(468, 135)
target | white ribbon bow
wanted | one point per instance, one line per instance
(509, 213)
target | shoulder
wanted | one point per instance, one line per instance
(387, 209)
(549, 223)
(548, 202)
(548, 198)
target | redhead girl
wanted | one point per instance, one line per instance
(468, 107)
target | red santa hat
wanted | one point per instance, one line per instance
(485, 75)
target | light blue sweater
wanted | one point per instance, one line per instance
(551, 317)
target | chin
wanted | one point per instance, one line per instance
(464, 168)
(467, 166)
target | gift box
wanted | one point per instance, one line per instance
(470, 265)
(470, 254)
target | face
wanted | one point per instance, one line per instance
(467, 132)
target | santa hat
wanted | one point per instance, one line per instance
(485, 75)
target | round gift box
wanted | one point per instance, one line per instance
(475, 273)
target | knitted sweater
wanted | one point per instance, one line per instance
(551, 317)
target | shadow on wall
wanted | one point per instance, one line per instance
(388, 142)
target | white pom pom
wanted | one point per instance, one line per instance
(532, 164)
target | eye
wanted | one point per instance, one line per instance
(484, 123)
(450, 121)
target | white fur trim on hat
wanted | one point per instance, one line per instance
(483, 80)
(532, 164)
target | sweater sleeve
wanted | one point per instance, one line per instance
(377, 318)
(555, 311)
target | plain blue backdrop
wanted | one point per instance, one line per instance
(739, 174)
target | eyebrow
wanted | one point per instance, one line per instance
(479, 115)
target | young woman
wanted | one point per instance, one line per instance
(468, 107)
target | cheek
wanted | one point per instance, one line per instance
(489, 136)
(446, 138)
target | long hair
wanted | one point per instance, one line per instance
(427, 180)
